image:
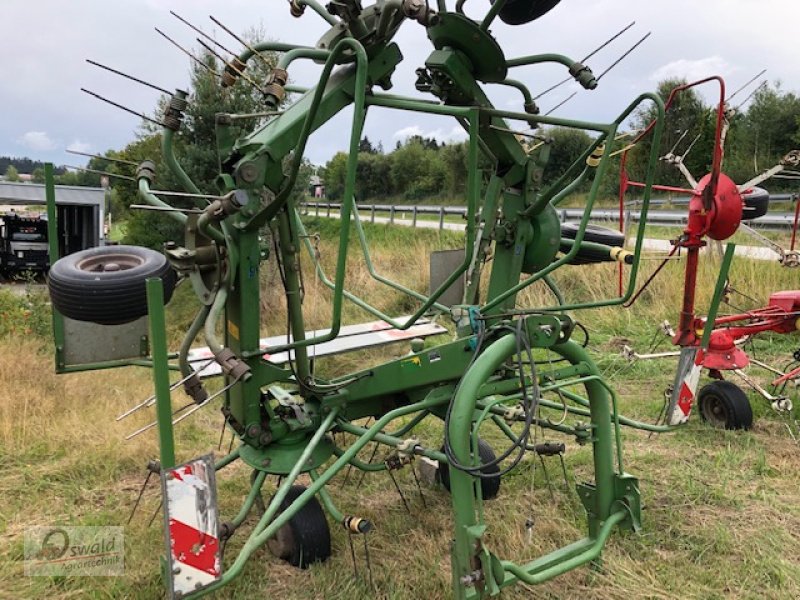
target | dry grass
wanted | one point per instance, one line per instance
(721, 509)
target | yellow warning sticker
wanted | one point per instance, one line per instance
(233, 329)
(413, 361)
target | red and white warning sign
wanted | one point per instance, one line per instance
(190, 501)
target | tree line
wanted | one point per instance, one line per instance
(421, 168)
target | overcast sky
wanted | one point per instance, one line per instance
(46, 42)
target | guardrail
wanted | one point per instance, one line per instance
(408, 214)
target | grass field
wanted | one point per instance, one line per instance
(721, 514)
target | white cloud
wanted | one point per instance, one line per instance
(457, 133)
(37, 140)
(79, 145)
(407, 132)
(692, 70)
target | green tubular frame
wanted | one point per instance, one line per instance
(607, 510)
(475, 386)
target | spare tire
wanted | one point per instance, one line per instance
(756, 204)
(106, 285)
(518, 12)
(595, 234)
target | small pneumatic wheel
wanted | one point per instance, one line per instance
(305, 538)
(107, 284)
(490, 486)
(724, 405)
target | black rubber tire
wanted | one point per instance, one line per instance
(518, 12)
(595, 234)
(306, 537)
(81, 289)
(724, 405)
(490, 486)
(756, 204)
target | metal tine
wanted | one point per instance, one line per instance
(419, 487)
(181, 409)
(534, 136)
(241, 41)
(624, 55)
(108, 158)
(729, 98)
(194, 211)
(131, 77)
(369, 564)
(232, 66)
(201, 32)
(587, 57)
(694, 141)
(155, 514)
(547, 478)
(151, 399)
(206, 401)
(753, 93)
(562, 103)
(255, 115)
(352, 554)
(121, 107)
(139, 497)
(187, 53)
(350, 466)
(154, 423)
(371, 458)
(680, 139)
(399, 491)
(191, 195)
(126, 177)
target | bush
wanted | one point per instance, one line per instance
(25, 314)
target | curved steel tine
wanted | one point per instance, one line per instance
(151, 399)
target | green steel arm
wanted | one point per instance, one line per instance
(601, 170)
(526, 93)
(587, 551)
(317, 8)
(370, 267)
(144, 192)
(267, 526)
(158, 342)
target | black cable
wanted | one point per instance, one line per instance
(585, 331)
(529, 406)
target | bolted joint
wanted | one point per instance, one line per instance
(232, 71)
(229, 204)
(154, 466)
(275, 92)
(279, 76)
(232, 366)
(420, 12)
(531, 108)
(356, 524)
(173, 114)
(472, 578)
(550, 448)
(146, 170)
(195, 390)
(593, 159)
(583, 75)
(296, 8)
(275, 87)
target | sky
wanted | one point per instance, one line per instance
(46, 43)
